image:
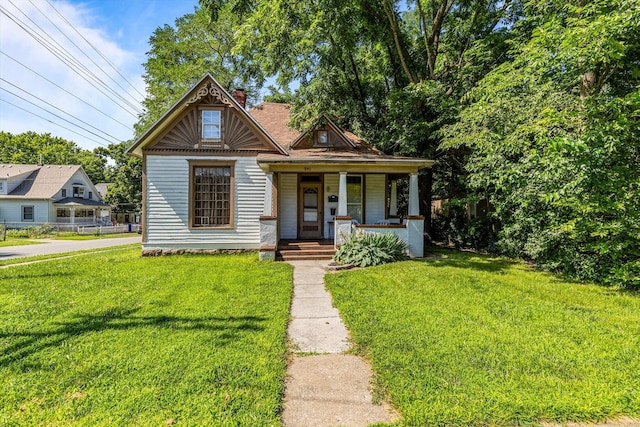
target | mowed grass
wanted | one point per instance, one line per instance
(116, 339)
(472, 341)
(12, 241)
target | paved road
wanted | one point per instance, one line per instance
(60, 246)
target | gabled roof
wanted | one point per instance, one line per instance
(324, 121)
(185, 102)
(44, 182)
(274, 118)
(10, 171)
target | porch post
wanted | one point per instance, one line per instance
(342, 195)
(268, 223)
(72, 215)
(393, 205)
(414, 205)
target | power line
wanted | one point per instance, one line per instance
(79, 48)
(69, 60)
(52, 122)
(65, 90)
(96, 49)
(57, 108)
(54, 114)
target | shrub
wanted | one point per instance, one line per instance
(367, 249)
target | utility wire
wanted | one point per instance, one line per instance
(66, 91)
(57, 108)
(80, 49)
(71, 62)
(52, 122)
(54, 114)
(106, 58)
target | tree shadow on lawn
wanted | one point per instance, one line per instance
(27, 343)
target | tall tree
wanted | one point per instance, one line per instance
(32, 148)
(554, 140)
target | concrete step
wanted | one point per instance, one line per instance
(294, 255)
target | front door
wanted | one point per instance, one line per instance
(310, 211)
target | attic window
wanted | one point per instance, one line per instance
(211, 124)
(321, 137)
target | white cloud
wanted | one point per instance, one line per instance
(19, 45)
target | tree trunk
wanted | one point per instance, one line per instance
(425, 184)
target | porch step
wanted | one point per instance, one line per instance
(303, 250)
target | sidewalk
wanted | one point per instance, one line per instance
(327, 388)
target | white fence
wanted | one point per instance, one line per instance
(109, 229)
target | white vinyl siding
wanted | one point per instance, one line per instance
(331, 187)
(288, 205)
(12, 211)
(167, 199)
(374, 198)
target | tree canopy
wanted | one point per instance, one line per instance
(531, 105)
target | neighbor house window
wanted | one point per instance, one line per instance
(63, 213)
(78, 192)
(27, 213)
(211, 195)
(91, 195)
(63, 192)
(322, 137)
(354, 197)
(2, 186)
(211, 124)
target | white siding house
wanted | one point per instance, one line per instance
(216, 176)
(49, 194)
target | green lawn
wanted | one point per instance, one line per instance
(11, 241)
(116, 339)
(472, 340)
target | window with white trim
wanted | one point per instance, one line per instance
(211, 124)
(27, 213)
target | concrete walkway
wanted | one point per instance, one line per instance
(327, 388)
(48, 247)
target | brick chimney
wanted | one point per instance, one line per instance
(240, 96)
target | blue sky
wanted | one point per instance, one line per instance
(119, 29)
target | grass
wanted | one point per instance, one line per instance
(24, 260)
(117, 339)
(12, 241)
(472, 340)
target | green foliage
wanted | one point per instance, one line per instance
(367, 249)
(26, 148)
(117, 339)
(470, 340)
(32, 232)
(553, 139)
(125, 176)
(181, 54)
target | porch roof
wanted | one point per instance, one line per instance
(324, 160)
(76, 202)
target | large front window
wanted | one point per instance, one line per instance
(211, 195)
(211, 124)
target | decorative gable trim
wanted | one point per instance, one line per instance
(329, 124)
(209, 88)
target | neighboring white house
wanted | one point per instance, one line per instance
(216, 176)
(51, 194)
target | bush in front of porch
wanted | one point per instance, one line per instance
(368, 249)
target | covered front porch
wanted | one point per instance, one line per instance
(330, 200)
(82, 212)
